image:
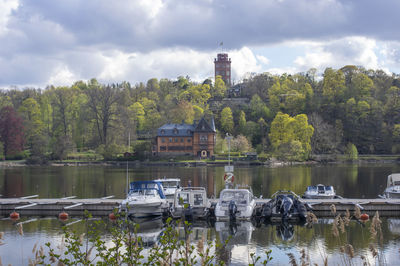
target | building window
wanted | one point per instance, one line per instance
(162, 131)
(162, 140)
(176, 139)
(189, 148)
(163, 148)
(182, 140)
(203, 138)
(189, 140)
(176, 131)
(170, 139)
(189, 132)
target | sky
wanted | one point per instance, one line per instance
(58, 42)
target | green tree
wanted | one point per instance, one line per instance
(219, 89)
(242, 122)
(351, 151)
(291, 135)
(33, 124)
(138, 114)
(227, 120)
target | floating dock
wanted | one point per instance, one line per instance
(30, 206)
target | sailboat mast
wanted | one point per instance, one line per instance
(127, 169)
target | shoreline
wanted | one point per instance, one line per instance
(270, 163)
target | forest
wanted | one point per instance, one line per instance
(286, 116)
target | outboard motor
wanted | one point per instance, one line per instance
(285, 208)
(232, 210)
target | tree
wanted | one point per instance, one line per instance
(219, 88)
(102, 102)
(242, 122)
(323, 140)
(11, 131)
(30, 111)
(183, 112)
(137, 113)
(351, 151)
(240, 144)
(227, 120)
(291, 135)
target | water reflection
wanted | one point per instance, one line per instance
(242, 238)
(349, 180)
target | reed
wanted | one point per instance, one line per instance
(333, 209)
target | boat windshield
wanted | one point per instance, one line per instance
(321, 188)
(240, 197)
(198, 199)
(170, 184)
(147, 192)
(312, 188)
(329, 188)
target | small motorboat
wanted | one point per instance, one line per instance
(284, 206)
(235, 203)
(145, 199)
(190, 203)
(170, 185)
(393, 186)
(319, 192)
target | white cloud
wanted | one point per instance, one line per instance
(62, 76)
(6, 8)
(354, 50)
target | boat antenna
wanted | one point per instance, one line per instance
(127, 169)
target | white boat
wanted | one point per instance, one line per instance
(235, 203)
(319, 192)
(393, 186)
(170, 185)
(145, 199)
(190, 203)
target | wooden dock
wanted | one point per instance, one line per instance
(104, 206)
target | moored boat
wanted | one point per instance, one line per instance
(145, 199)
(284, 206)
(235, 203)
(320, 192)
(190, 203)
(170, 185)
(393, 186)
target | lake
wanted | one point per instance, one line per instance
(349, 180)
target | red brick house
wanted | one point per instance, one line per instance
(197, 139)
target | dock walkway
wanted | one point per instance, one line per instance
(105, 206)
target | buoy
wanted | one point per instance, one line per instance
(14, 215)
(112, 217)
(364, 217)
(63, 216)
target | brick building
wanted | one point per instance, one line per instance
(197, 139)
(223, 68)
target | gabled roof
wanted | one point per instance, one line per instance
(204, 126)
(176, 130)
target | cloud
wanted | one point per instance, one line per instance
(6, 8)
(55, 41)
(356, 50)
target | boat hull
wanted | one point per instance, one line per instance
(142, 209)
(392, 194)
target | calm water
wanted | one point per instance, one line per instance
(356, 181)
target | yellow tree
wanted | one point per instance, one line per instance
(291, 136)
